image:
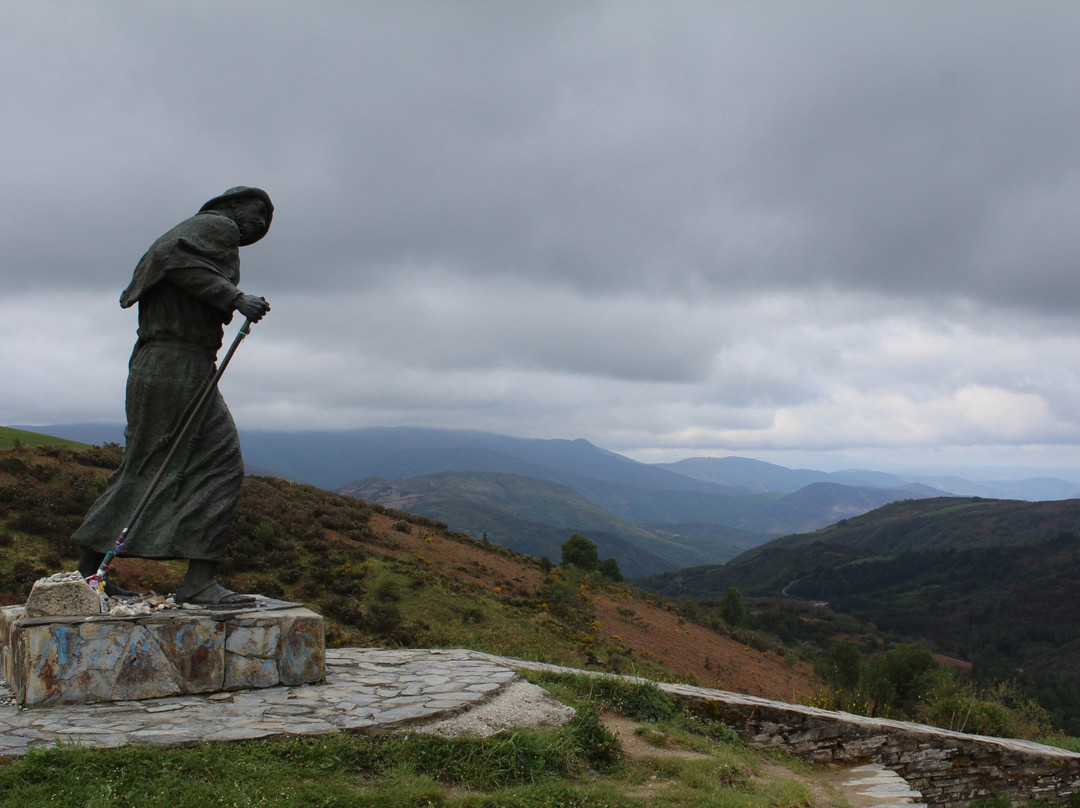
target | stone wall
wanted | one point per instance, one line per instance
(949, 768)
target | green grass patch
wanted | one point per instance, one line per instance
(681, 723)
(409, 769)
(580, 764)
(1070, 743)
(639, 701)
(13, 438)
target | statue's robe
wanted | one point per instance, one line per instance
(186, 288)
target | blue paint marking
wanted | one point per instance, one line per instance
(62, 644)
(58, 639)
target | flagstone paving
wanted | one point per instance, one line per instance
(363, 688)
(874, 786)
(443, 691)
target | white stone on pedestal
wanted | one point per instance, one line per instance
(63, 595)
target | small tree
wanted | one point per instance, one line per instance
(731, 608)
(609, 568)
(690, 609)
(845, 664)
(897, 679)
(578, 551)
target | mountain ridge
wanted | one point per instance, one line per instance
(305, 450)
(732, 494)
(530, 515)
(993, 582)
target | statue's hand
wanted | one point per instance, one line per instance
(252, 307)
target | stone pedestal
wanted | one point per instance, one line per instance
(77, 660)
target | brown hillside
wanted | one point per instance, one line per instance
(622, 616)
(384, 577)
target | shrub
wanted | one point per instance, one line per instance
(898, 678)
(347, 583)
(106, 456)
(731, 609)
(690, 610)
(42, 473)
(472, 615)
(386, 591)
(578, 551)
(601, 749)
(1001, 710)
(609, 568)
(382, 618)
(265, 585)
(346, 610)
(12, 465)
(844, 666)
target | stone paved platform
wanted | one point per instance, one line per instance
(364, 688)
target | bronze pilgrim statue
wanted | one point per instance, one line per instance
(186, 289)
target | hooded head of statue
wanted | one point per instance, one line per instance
(252, 227)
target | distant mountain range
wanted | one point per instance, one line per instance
(743, 471)
(331, 459)
(532, 494)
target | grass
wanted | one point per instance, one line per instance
(580, 764)
(12, 438)
(1068, 743)
(640, 701)
(411, 605)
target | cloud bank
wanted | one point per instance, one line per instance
(837, 230)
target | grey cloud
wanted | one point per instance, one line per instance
(652, 223)
(591, 145)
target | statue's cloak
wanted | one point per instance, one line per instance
(185, 286)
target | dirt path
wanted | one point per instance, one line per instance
(870, 786)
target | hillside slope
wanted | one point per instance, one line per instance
(996, 583)
(385, 577)
(940, 522)
(10, 438)
(529, 515)
(652, 496)
(646, 531)
(821, 504)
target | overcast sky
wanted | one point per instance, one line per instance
(816, 233)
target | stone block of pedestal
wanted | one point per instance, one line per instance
(75, 660)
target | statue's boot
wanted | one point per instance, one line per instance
(114, 591)
(212, 593)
